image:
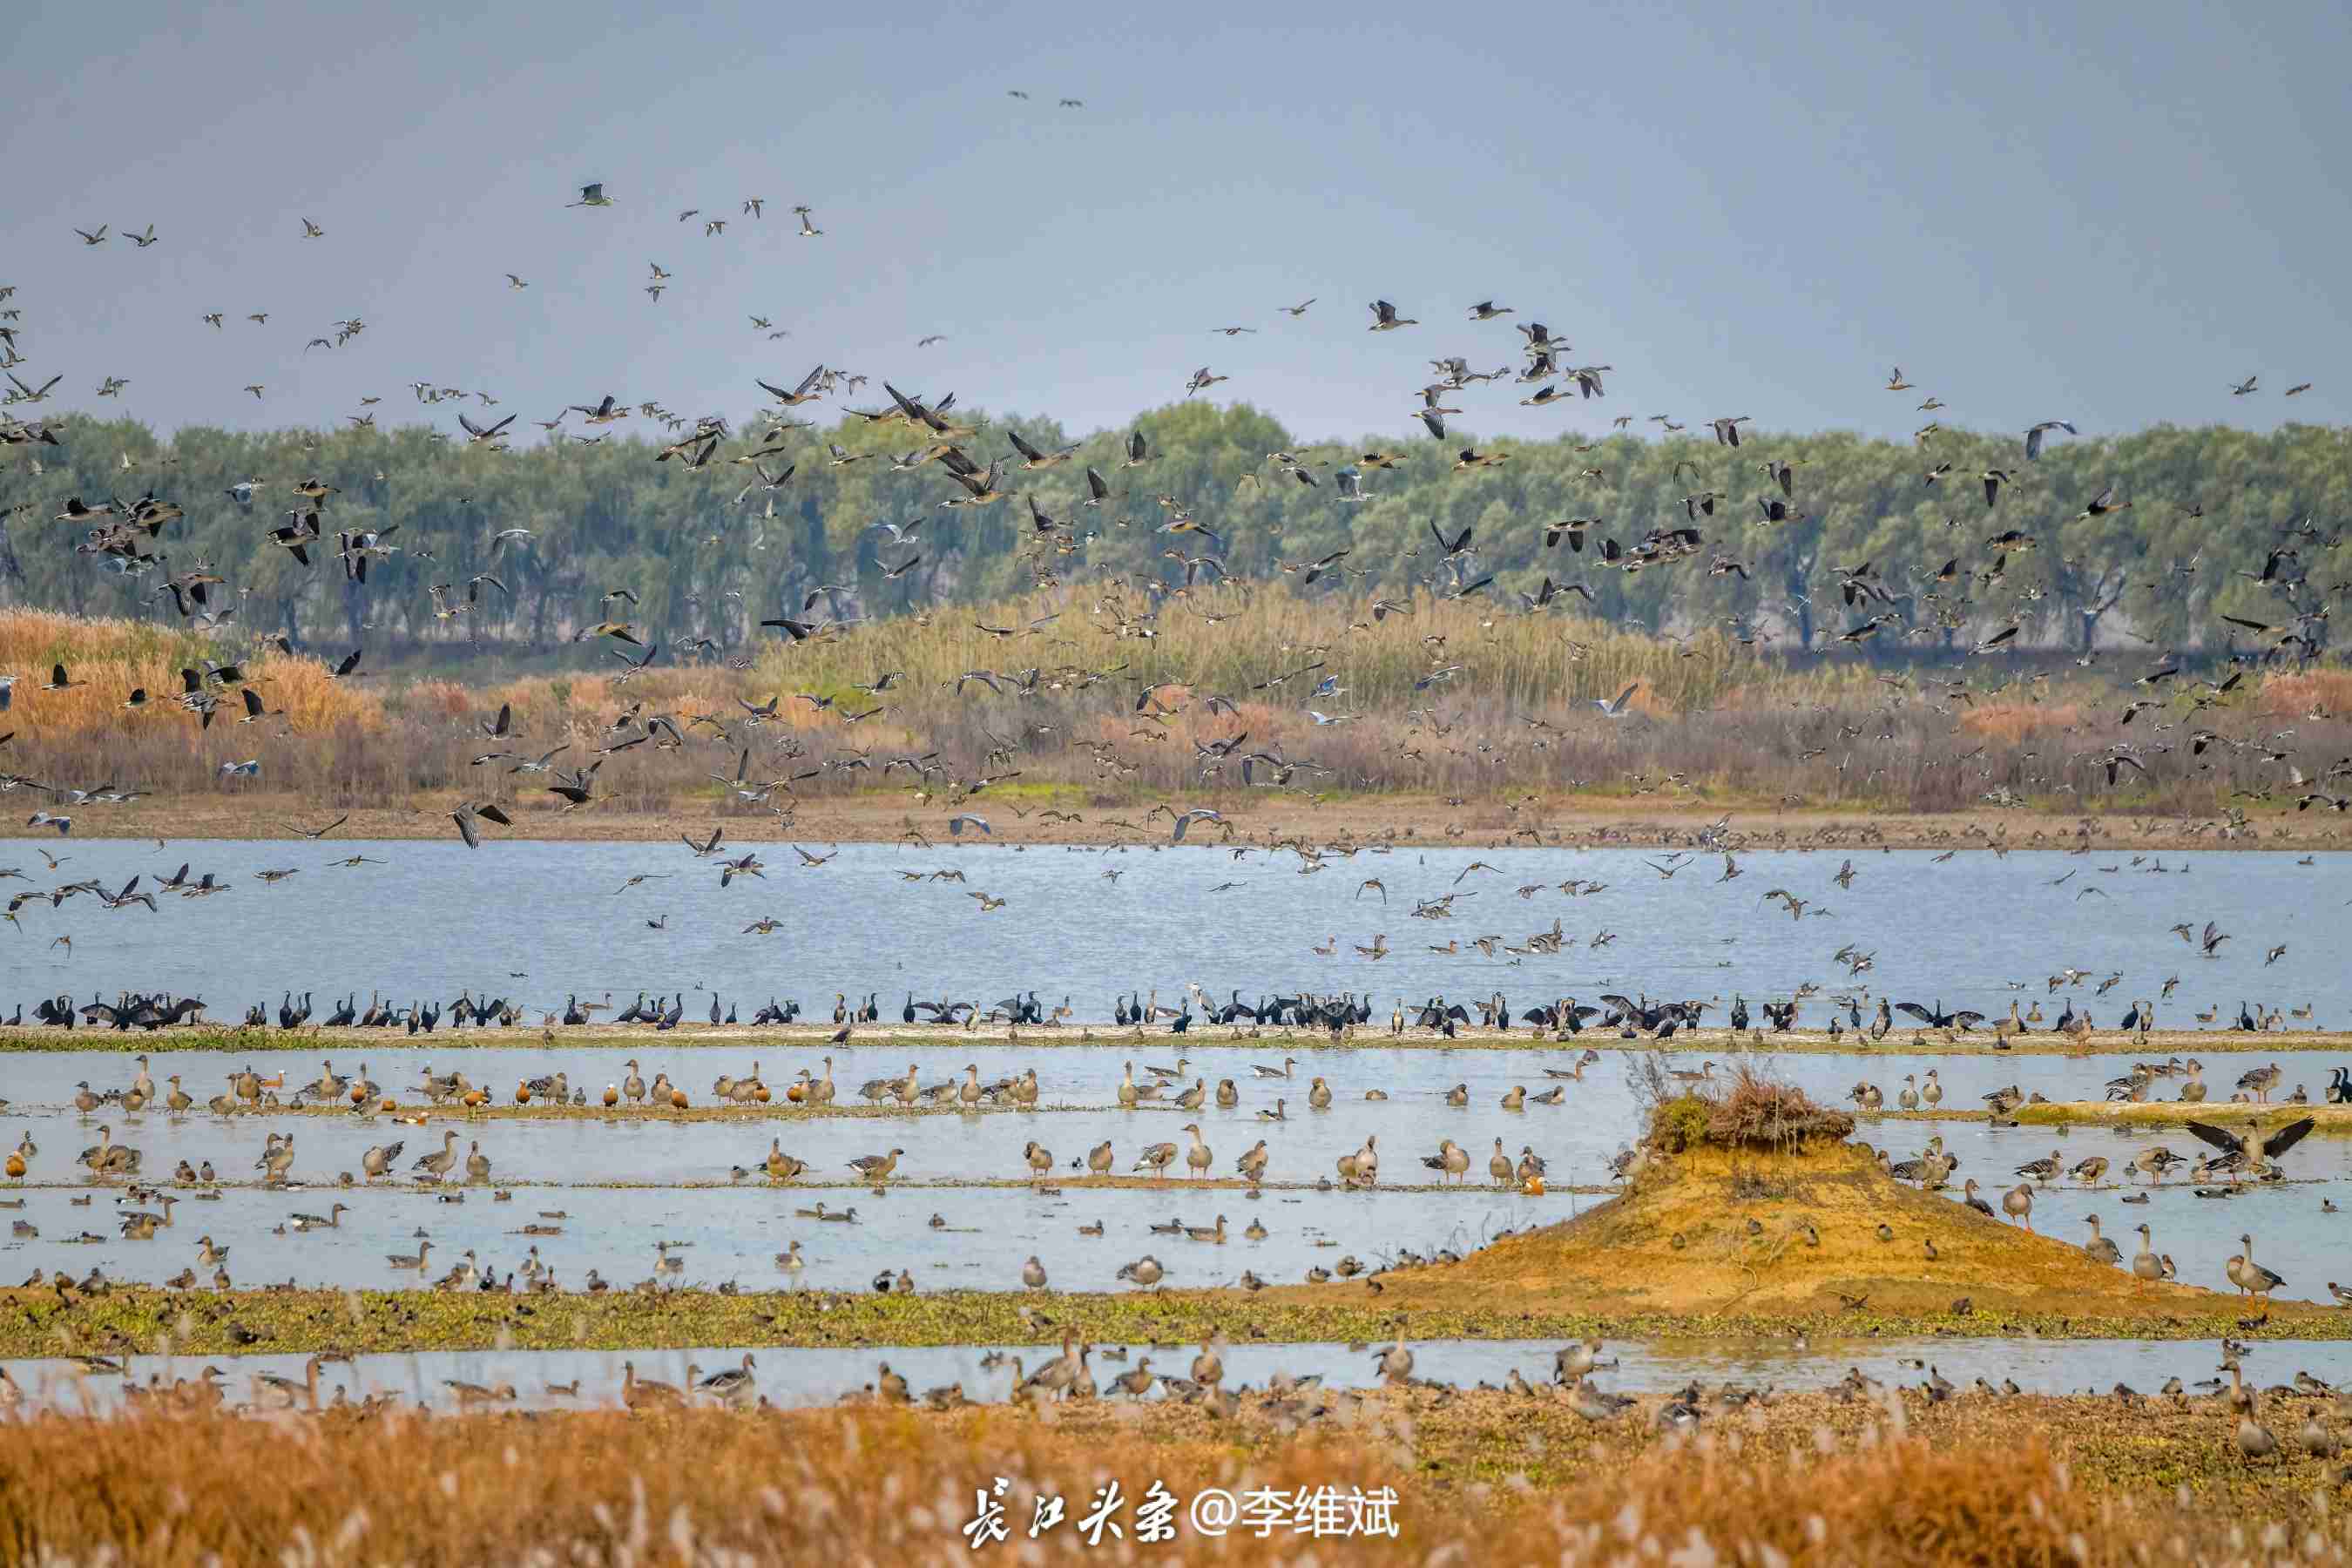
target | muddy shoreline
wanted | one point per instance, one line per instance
(1074, 816)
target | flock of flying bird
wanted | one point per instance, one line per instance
(127, 536)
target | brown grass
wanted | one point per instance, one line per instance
(1116, 717)
(1480, 1478)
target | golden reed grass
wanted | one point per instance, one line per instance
(1449, 700)
(874, 1487)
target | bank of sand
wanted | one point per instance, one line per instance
(1061, 816)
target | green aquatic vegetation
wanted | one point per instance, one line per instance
(36, 1322)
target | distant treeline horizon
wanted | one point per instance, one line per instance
(2208, 523)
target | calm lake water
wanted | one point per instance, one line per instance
(541, 922)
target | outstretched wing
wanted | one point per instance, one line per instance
(2229, 1142)
(2277, 1143)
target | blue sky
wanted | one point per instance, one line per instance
(2103, 213)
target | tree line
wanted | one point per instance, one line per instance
(2219, 522)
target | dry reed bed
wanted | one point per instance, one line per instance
(1711, 720)
(1480, 1478)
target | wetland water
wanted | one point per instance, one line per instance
(679, 1186)
(439, 919)
(806, 1377)
(540, 921)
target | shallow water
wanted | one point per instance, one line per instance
(734, 1229)
(821, 1376)
(439, 917)
(541, 922)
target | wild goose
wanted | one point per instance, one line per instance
(1395, 1363)
(877, 1167)
(1156, 1158)
(1209, 1366)
(331, 1220)
(1198, 1156)
(1516, 1098)
(1145, 1271)
(2260, 1081)
(1251, 1164)
(276, 1158)
(2090, 1170)
(1279, 1113)
(1968, 1195)
(1498, 1164)
(2043, 1170)
(1458, 1096)
(2100, 1248)
(415, 1260)
(2146, 1266)
(1228, 1096)
(437, 1165)
(1531, 1166)
(781, 1166)
(643, 1393)
(2249, 1276)
(735, 1386)
(377, 1161)
(1261, 1070)
(2254, 1156)
(1450, 1160)
(273, 1392)
(2017, 1203)
(1362, 1167)
(1318, 1095)
(477, 1165)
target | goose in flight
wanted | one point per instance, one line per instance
(1616, 709)
(90, 238)
(591, 196)
(311, 230)
(808, 230)
(1385, 318)
(2035, 433)
(477, 435)
(2237, 389)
